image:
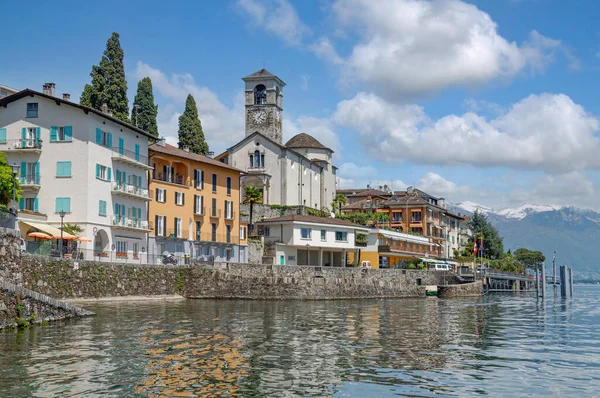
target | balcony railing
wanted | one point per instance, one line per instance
(177, 233)
(200, 211)
(30, 179)
(131, 223)
(129, 155)
(416, 220)
(132, 190)
(22, 144)
(396, 220)
(230, 216)
(166, 177)
(215, 213)
(399, 248)
(358, 243)
(217, 238)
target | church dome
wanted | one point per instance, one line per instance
(304, 140)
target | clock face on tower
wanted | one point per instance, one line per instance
(259, 117)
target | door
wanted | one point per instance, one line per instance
(281, 260)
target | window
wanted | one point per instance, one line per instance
(63, 204)
(63, 169)
(213, 236)
(260, 94)
(30, 173)
(161, 195)
(102, 208)
(323, 235)
(198, 230)
(61, 133)
(103, 138)
(135, 248)
(214, 183)
(251, 160)
(160, 226)
(198, 179)
(242, 232)
(229, 209)
(179, 198)
(2, 136)
(3, 93)
(30, 204)
(305, 233)
(416, 217)
(198, 204)
(214, 207)
(32, 109)
(267, 231)
(228, 235)
(177, 227)
(121, 246)
(228, 186)
(102, 172)
(256, 158)
(341, 236)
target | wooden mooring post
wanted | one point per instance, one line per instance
(566, 281)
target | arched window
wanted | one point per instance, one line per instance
(256, 159)
(251, 160)
(260, 94)
(262, 160)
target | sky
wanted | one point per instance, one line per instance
(491, 101)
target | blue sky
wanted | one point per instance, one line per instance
(488, 101)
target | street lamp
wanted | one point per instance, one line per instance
(15, 170)
(62, 216)
(308, 253)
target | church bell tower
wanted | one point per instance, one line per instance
(264, 104)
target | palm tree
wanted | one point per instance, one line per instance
(340, 201)
(252, 195)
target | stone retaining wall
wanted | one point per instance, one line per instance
(462, 290)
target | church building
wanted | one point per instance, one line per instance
(298, 172)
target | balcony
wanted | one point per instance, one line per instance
(132, 191)
(130, 157)
(173, 233)
(131, 224)
(30, 182)
(401, 249)
(396, 220)
(165, 177)
(22, 145)
(230, 216)
(215, 213)
(200, 212)
(217, 238)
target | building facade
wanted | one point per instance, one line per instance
(310, 240)
(391, 249)
(195, 207)
(83, 162)
(297, 173)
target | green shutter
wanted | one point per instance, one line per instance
(35, 204)
(36, 177)
(53, 133)
(38, 134)
(121, 146)
(140, 181)
(124, 176)
(68, 133)
(22, 204)
(97, 170)
(123, 214)
(139, 213)
(98, 136)
(57, 205)
(67, 169)
(109, 140)
(59, 170)
(118, 176)
(67, 204)
(23, 137)
(3, 136)
(108, 171)
(23, 172)
(137, 152)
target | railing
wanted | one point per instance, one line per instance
(125, 153)
(177, 233)
(23, 143)
(215, 213)
(166, 177)
(201, 211)
(396, 220)
(360, 243)
(230, 216)
(217, 238)
(121, 221)
(30, 179)
(416, 220)
(133, 190)
(391, 248)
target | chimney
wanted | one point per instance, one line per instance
(104, 109)
(386, 188)
(368, 186)
(47, 89)
(66, 97)
(186, 148)
(380, 188)
(161, 141)
(210, 154)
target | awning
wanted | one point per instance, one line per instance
(49, 229)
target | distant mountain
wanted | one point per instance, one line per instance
(470, 207)
(572, 232)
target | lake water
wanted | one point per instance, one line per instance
(499, 345)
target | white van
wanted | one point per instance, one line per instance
(439, 267)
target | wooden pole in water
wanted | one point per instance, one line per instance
(563, 280)
(554, 271)
(537, 281)
(543, 280)
(570, 282)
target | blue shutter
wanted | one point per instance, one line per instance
(67, 169)
(68, 133)
(121, 146)
(97, 170)
(23, 137)
(108, 171)
(124, 177)
(137, 152)
(123, 214)
(53, 133)
(109, 140)
(3, 136)
(57, 205)
(23, 172)
(67, 205)
(36, 177)
(59, 169)
(118, 176)
(139, 213)
(35, 204)
(140, 181)
(117, 207)
(22, 204)
(98, 136)
(38, 133)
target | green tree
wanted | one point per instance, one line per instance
(7, 183)
(252, 195)
(72, 229)
(339, 201)
(144, 115)
(108, 82)
(190, 129)
(529, 258)
(481, 227)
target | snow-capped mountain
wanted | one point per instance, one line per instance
(470, 207)
(525, 210)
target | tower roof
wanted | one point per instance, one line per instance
(262, 75)
(304, 140)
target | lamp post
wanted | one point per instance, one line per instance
(308, 253)
(62, 216)
(15, 170)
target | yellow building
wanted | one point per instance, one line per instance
(195, 207)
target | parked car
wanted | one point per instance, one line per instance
(439, 267)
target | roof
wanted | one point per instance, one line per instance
(28, 92)
(371, 192)
(304, 140)
(311, 219)
(174, 151)
(261, 75)
(360, 205)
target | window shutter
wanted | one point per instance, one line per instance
(124, 177)
(22, 204)
(183, 198)
(195, 204)
(108, 171)
(157, 191)
(59, 169)
(123, 213)
(98, 136)
(201, 179)
(36, 177)
(68, 169)
(68, 204)
(117, 175)
(53, 133)
(97, 170)
(140, 181)
(139, 213)
(109, 140)
(156, 231)
(3, 136)
(35, 204)
(68, 133)
(24, 133)
(117, 208)
(137, 152)
(23, 172)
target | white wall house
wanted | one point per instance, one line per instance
(297, 173)
(310, 240)
(81, 161)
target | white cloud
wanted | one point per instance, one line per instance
(541, 132)
(223, 126)
(277, 17)
(484, 106)
(321, 129)
(414, 47)
(324, 49)
(356, 176)
(305, 80)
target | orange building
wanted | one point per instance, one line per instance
(195, 207)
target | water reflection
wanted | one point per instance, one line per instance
(499, 345)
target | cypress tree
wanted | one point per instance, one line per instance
(190, 129)
(108, 82)
(145, 115)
